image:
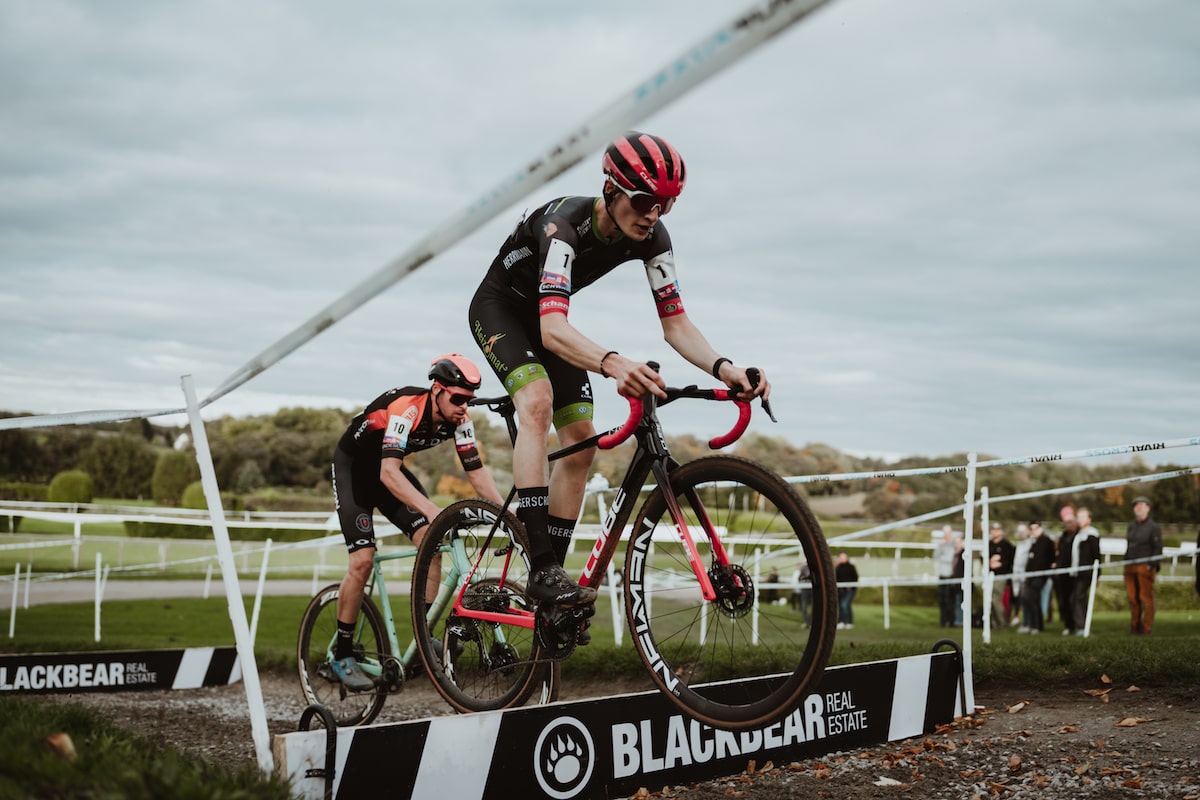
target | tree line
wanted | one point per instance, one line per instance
(282, 461)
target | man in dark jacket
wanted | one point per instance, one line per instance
(844, 573)
(1143, 539)
(1000, 562)
(1041, 557)
(1063, 581)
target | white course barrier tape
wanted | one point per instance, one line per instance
(684, 72)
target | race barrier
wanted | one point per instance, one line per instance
(118, 670)
(611, 747)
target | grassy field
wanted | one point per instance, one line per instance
(1168, 657)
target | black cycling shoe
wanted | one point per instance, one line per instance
(553, 585)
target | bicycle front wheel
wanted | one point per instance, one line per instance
(741, 660)
(314, 646)
(477, 665)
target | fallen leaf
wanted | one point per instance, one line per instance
(971, 773)
(1130, 722)
(1041, 781)
(997, 788)
(750, 767)
(1105, 679)
(1133, 688)
(886, 781)
(1015, 708)
(1069, 729)
(1014, 763)
(1133, 783)
(1097, 692)
(1082, 768)
(61, 745)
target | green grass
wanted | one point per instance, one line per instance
(109, 761)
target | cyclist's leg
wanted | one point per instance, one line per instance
(513, 350)
(411, 522)
(358, 529)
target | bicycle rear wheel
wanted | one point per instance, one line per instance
(318, 629)
(478, 665)
(736, 662)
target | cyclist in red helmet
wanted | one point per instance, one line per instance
(519, 317)
(369, 474)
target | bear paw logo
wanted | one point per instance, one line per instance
(564, 758)
(564, 761)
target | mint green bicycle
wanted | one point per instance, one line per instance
(502, 658)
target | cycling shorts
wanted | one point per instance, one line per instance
(357, 491)
(509, 335)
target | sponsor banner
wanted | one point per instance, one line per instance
(613, 746)
(118, 671)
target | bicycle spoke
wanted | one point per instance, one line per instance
(718, 650)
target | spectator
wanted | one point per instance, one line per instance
(845, 573)
(960, 572)
(1143, 539)
(943, 559)
(1040, 558)
(1196, 563)
(1000, 562)
(771, 595)
(1020, 556)
(802, 591)
(1063, 580)
(1085, 551)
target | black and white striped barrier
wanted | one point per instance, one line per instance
(613, 746)
(118, 671)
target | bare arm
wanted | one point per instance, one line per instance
(565, 340)
(687, 340)
(485, 485)
(401, 487)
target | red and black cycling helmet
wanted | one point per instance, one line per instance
(640, 162)
(455, 370)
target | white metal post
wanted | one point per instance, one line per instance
(12, 614)
(262, 581)
(967, 583)
(99, 593)
(233, 592)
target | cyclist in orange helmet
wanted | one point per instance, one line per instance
(519, 317)
(369, 474)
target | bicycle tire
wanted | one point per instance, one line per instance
(496, 665)
(318, 627)
(700, 654)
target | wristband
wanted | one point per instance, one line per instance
(716, 370)
(604, 374)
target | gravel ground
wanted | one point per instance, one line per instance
(1093, 742)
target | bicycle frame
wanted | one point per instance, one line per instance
(651, 457)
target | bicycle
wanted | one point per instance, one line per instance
(377, 647)
(691, 606)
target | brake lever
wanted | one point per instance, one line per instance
(754, 376)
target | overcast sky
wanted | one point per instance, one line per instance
(939, 226)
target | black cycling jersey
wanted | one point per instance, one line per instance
(549, 256)
(398, 422)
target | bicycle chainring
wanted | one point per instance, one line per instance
(558, 628)
(734, 588)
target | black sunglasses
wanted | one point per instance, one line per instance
(458, 399)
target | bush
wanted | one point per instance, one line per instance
(173, 473)
(193, 496)
(72, 486)
(15, 490)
